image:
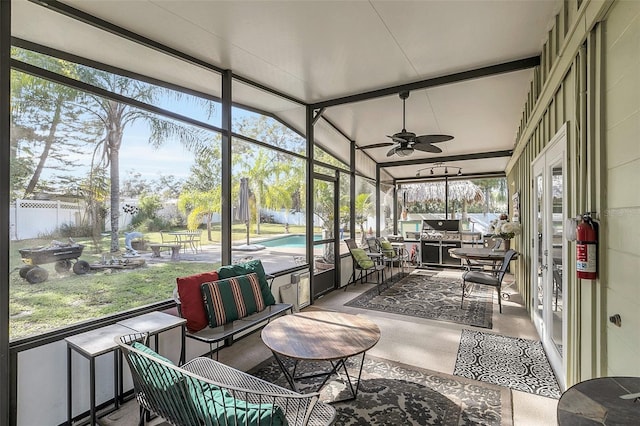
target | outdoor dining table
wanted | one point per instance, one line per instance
(478, 253)
(185, 239)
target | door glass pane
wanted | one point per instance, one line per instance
(539, 293)
(556, 264)
(323, 224)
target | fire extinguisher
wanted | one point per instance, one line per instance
(587, 248)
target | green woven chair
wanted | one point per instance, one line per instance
(206, 392)
(363, 266)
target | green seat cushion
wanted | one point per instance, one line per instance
(247, 268)
(231, 299)
(227, 410)
(362, 259)
(387, 248)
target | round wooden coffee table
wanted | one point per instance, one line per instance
(601, 401)
(320, 336)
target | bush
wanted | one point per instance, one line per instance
(74, 231)
(150, 224)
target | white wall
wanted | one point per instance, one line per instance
(622, 216)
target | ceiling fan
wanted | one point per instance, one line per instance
(406, 142)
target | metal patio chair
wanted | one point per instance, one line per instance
(488, 278)
(363, 264)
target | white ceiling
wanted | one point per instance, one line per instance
(317, 51)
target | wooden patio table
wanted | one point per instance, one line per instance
(321, 336)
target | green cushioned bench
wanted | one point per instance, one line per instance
(222, 304)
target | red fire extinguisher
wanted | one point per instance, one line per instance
(586, 248)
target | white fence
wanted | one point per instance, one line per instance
(33, 218)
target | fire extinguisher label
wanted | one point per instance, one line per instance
(586, 258)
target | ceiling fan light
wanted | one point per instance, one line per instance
(404, 151)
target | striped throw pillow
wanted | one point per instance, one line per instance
(231, 299)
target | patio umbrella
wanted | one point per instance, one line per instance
(242, 213)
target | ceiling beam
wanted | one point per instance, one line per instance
(318, 115)
(422, 179)
(517, 65)
(459, 157)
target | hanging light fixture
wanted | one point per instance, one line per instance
(437, 166)
(404, 151)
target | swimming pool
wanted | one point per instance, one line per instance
(297, 241)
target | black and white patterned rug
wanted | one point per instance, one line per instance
(426, 295)
(516, 363)
(391, 393)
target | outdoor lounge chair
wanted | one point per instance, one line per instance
(206, 392)
(363, 265)
(488, 278)
(382, 249)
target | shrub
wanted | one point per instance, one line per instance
(74, 231)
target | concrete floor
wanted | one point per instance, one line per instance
(420, 342)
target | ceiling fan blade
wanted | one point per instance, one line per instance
(433, 138)
(427, 147)
(398, 139)
(376, 145)
(391, 151)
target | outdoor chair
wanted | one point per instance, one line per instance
(194, 238)
(374, 250)
(350, 243)
(488, 278)
(166, 238)
(363, 265)
(390, 255)
(373, 245)
(206, 392)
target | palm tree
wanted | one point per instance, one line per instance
(264, 174)
(112, 118)
(364, 208)
(323, 209)
(199, 205)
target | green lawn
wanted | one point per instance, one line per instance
(67, 298)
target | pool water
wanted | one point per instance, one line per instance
(288, 241)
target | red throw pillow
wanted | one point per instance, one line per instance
(192, 303)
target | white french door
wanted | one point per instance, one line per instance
(549, 292)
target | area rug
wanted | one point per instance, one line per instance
(391, 393)
(519, 364)
(427, 295)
